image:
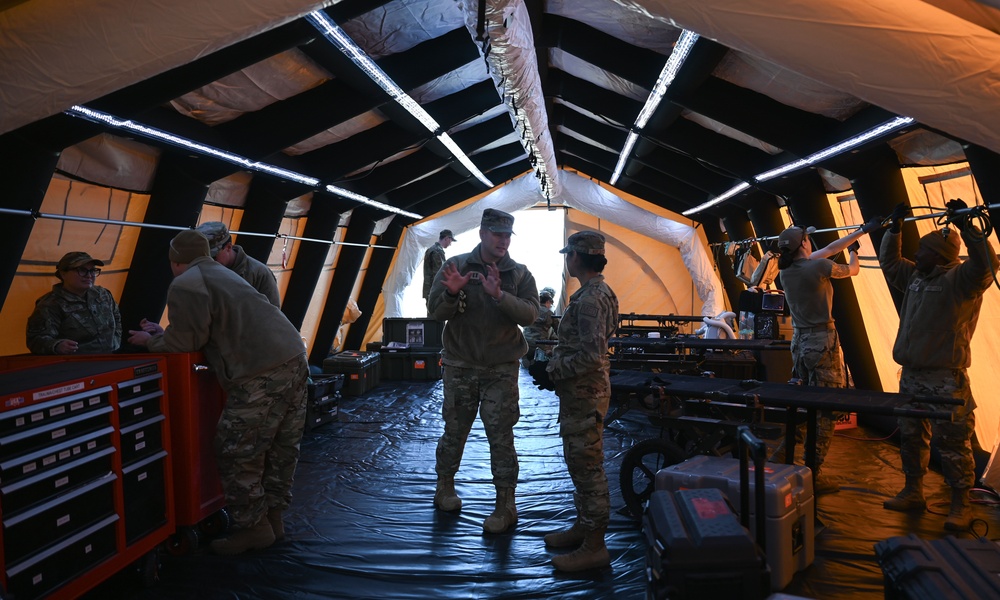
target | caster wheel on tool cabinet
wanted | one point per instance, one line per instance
(216, 524)
(147, 569)
(638, 471)
(184, 541)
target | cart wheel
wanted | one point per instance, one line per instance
(149, 569)
(184, 541)
(215, 524)
(638, 471)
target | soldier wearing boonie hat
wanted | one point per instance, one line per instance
(256, 273)
(77, 316)
(484, 296)
(942, 299)
(579, 372)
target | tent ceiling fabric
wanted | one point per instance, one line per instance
(531, 86)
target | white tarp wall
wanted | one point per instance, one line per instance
(576, 192)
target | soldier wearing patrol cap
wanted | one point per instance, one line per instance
(580, 371)
(806, 273)
(256, 273)
(541, 329)
(484, 296)
(942, 297)
(260, 361)
(434, 259)
(77, 316)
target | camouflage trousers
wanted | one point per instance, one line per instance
(257, 440)
(953, 439)
(817, 360)
(492, 392)
(584, 454)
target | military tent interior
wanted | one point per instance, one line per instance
(337, 138)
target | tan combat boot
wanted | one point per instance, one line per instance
(593, 554)
(275, 517)
(258, 537)
(504, 515)
(445, 497)
(911, 498)
(961, 511)
(566, 538)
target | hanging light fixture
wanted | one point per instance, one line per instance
(343, 42)
(685, 42)
(154, 133)
(874, 133)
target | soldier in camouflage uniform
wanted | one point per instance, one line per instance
(484, 295)
(542, 327)
(817, 360)
(260, 361)
(256, 273)
(579, 367)
(76, 317)
(434, 260)
(937, 318)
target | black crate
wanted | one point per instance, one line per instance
(321, 413)
(698, 550)
(957, 569)
(360, 370)
(325, 387)
(415, 333)
(411, 365)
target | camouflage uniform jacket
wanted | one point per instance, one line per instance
(579, 365)
(256, 274)
(482, 332)
(214, 310)
(940, 310)
(539, 330)
(433, 260)
(91, 320)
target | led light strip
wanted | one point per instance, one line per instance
(873, 133)
(236, 159)
(673, 65)
(336, 36)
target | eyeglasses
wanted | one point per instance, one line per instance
(82, 272)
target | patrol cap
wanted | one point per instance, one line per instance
(447, 233)
(72, 260)
(944, 242)
(497, 221)
(793, 236)
(584, 242)
(217, 234)
(187, 246)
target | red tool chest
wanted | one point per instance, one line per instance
(75, 505)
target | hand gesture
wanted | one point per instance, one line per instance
(150, 327)
(67, 347)
(138, 338)
(491, 285)
(854, 247)
(958, 220)
(898, 214)
(540, 376)
(872, 225)
(452, 280)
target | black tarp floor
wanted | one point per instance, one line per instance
(363, 524)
